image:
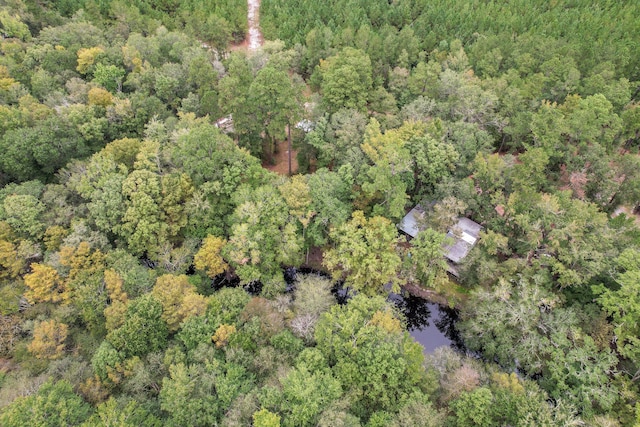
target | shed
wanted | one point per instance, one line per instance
(409, 224)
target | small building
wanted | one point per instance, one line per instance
(409, 224)
(464, 234)
(225, 124)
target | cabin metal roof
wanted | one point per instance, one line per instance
(464, 234)
(409, 224)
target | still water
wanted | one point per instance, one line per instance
(430, 324)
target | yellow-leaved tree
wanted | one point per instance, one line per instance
(222, 335)
(44, 285)
(179, 299)
(87, 58)
(114, 312)
(208, 257)
(48, 340)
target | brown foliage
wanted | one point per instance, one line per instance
(271, 321)
(9, 333)
(465, 378)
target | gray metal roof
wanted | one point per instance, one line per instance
(464, 234)
(409, 224)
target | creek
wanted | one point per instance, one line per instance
(430, 324)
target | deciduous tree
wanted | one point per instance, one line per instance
(49, 340)
(365, 253)
(208, 257)
(45, 284)
(179, 299)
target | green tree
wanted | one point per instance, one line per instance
(23, 213)
(143, 314)
(330, 200)
(262, 237)
(275, 102)
(265, 418)
(474, 408)
(234, 100)
(305, 394)
(433, 161)
(388, 179)
(142, 224)
(346, 80)
(377, 363)
(101, 184)
(109, 76)
(623, 305)
(199, 394)
(425, 260)
(365, 253)
(55, 404)
(218, 168)
(113, 413)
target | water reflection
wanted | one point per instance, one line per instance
(430, 324)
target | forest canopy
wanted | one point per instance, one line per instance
(160, 264)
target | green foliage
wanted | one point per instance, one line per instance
(346, 80)
(365, 252)
(369, 354)
(131, 414)
(262, 238)
(425, 260)
(264, 418)
(22, 213)
(305, 394)
(105, 361)
(109, 76)
(330, 201)
(54, 404)
(274, 102)
(473, 408)
(199, 394)
(622, 304)
(137, 87)
(12, 26)
(143, 314)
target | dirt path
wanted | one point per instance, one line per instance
(254, 37)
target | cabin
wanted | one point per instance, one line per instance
(464, 235)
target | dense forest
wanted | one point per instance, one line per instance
(155, 270)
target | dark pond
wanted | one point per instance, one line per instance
(428, 323)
